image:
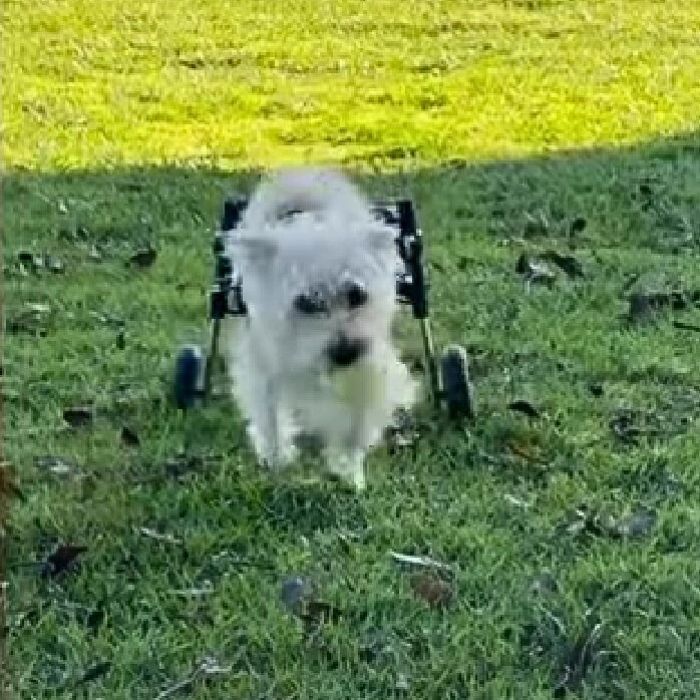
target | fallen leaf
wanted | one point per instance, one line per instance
(299, 597)
(377, 646)
(8, 484)
(208, 667)
(515, 501)
(567, 263)
(94, 254)
(26, 257)
(596, 389)
(21, 323)
(37, 308)
(129, 437)
(432, 589)
(144, 258)
(419, 560)
(20, 271)
(512, 241)
(545, 583)
(211, 666)
(540, 274)
(94, 619)
(347, 542)
(630, 281)
(578, 658)
(583, 521)
(22, 619)
(108, 319)
(638, 524)
(686, 326)
(30, 260)
(94, 672)
(61, 559)
(645, 189)
(54, 265)
(577, 226)
(320, 612)
(525, 450)
(78, 416)
(534, 272)
(56, 465)
(525, 407)
(522, 264)
(628, 425)
(29, 319)
(402, 683)
(195, 592)
(642, 305)
(182, 464)
(293, 591)
(160, 537)
(536, 224)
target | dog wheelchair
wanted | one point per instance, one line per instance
(449, 380)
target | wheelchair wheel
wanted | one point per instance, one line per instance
(188, 370)
(456, 386)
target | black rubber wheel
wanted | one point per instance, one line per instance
(188, 370)
(456, 386)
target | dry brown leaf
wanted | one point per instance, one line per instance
(433, 590)
(8, 483)
(61, 559)
(78, 416)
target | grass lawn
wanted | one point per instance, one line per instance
(573, 537)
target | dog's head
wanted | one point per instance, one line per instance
(318, 268)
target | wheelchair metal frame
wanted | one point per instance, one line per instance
(226, 297)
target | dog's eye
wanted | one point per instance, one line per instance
(356, 295)
(310, 304)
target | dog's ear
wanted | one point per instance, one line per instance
(254, 250)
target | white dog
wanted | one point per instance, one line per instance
(314, 354)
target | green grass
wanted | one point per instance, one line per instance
(126, 123)
(106, 84)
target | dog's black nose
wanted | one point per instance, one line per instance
(344, 351)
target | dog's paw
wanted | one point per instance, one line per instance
(278, 461)
(270, 454)
(350, 467)
(286, 456)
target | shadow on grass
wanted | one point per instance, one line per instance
(111, 332)
(109, 327)
(638, 202)
(640, 195)
(104, 334)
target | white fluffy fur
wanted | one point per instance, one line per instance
(282, 380)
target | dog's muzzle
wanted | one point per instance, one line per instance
(344, 351)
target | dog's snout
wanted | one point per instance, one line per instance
(344, 351)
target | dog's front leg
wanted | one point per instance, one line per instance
(271, 439)
(348, 465)
(347, 459)
(262, 426)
